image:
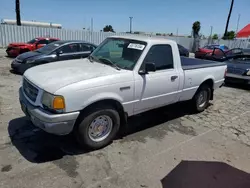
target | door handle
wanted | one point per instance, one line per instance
(173, 78)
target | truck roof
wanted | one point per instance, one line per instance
(147, 39)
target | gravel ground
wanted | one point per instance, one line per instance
(168, 147)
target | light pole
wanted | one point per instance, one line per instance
(237, 24)
(211, 32)
(91, 25)
(130, 25)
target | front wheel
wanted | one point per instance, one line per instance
(201, 98)
(98, 127)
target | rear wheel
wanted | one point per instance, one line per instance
(201, 98)
(98, 127)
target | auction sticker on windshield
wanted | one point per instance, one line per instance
(136, 46)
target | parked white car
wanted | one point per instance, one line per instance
(124, 76)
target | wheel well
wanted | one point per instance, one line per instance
(210, 83)
(108, 102)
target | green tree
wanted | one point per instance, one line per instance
(108, 28)
(229, 35)
(196, 29)
(228, 19)
(215, 37)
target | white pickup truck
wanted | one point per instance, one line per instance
(124, 76)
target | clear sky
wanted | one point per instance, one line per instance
(163, 16)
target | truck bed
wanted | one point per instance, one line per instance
(193, 63)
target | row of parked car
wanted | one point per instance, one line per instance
(45, 50)
(237, 59)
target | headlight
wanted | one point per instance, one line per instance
(53, 102)
(30, 61)
(248, 73)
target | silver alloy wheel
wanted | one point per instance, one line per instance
(202, 98)
(100, 128)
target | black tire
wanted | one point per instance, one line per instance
(82, 127)
(196, 103)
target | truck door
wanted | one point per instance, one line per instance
(158, 88)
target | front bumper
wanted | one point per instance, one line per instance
(12, 52)
(59, 124)
(235, 78)
(16, 65)
(19, 67)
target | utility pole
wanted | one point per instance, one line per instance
(18, 17)
(177, 31)
(91, 25)
(211, 33)
(228, 19)
(130, 26)
(237, 24)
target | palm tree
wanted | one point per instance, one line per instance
(228, 18)
(196, 29)
(18, 17)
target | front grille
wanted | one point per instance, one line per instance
(235, 71)
(30, 91)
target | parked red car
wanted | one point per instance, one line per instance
(209, 49)
(14, 49)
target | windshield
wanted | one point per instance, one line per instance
(124, 53)
(32, 41)
(48, 48)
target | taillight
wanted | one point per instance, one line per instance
(225, 74)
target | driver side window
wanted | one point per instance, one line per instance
(69, 48)
(161, 56)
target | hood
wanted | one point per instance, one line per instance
(19, 44)
(239, 64)
(54, 76)
(27, 55)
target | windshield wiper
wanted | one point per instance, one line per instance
(109, 62)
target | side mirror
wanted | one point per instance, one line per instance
(58, 53)
(148, 67)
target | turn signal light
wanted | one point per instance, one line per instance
(58, 103)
